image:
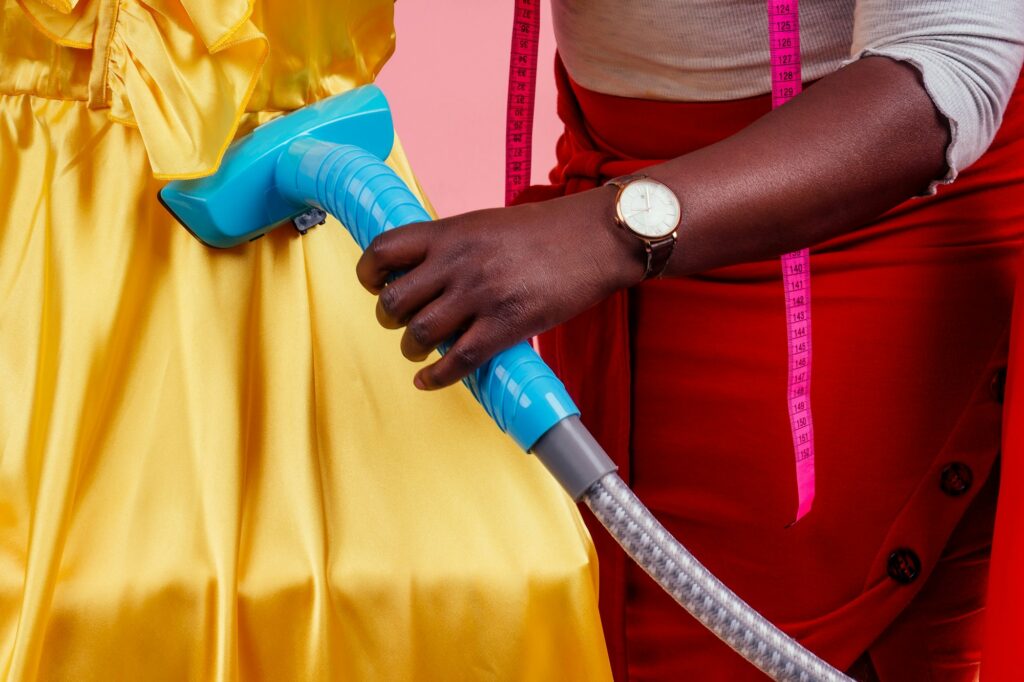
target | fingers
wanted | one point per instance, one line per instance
(393, 251)
(457, 278)
(484, 339)
(439, 321)
(401, 299)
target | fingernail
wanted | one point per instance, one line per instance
(419, 383)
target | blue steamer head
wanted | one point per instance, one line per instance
(241, 202)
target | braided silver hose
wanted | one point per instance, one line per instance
(698, 591)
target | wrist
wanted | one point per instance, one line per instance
(648, 211)
(626, 262)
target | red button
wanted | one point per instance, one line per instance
(904, 566)
(957, 478)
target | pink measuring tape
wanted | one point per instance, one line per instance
(522, 90)
(784, 46)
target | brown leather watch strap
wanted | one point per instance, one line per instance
(623, 180)
(658, 254)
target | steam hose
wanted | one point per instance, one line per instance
(698, 591)
(528, 402)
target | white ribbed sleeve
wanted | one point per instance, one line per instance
(969, 54)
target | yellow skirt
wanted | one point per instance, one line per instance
(214, 465)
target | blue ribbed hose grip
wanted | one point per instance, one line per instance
(516, 387)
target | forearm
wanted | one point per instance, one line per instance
(858, 142)
(853, 145)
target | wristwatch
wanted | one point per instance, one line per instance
(650, 211)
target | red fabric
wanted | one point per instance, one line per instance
(1003, 660)
(683, 381)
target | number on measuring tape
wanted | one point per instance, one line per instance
(522, 89)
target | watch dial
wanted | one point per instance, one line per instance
(649, 208)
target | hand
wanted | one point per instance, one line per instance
(497, 277)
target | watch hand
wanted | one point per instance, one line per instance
(647, 197)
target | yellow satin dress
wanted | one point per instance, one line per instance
(213, 464)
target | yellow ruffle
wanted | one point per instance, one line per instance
(70, 24)
(61, 5)
(181, 71)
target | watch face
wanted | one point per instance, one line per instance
(649, 208)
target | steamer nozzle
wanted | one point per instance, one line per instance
(241, 201)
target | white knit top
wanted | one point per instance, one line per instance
(969, 52)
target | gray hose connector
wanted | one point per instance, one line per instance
(697, 590)
(573, 457)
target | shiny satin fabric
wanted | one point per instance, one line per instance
(183, 71)
(213, 464)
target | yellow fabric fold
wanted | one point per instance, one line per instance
(70, 24)
(217, 22)
(182, 72)
(185, 72)
(156, 62)
(61, 5)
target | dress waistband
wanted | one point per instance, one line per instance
(629, 129)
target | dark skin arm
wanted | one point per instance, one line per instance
(857, 143)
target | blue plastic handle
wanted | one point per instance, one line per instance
(238, 203)
(516, 387)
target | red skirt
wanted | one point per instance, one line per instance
(684, 381)
(1005, 612)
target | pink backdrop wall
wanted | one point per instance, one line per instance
(447, 86)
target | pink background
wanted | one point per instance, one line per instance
(447, 87)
